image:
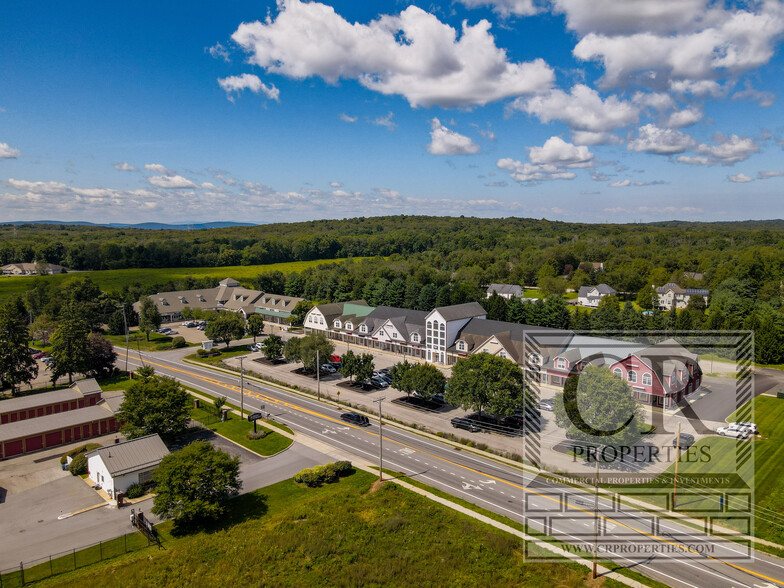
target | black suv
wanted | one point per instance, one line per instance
(686, 441)
(356, 419)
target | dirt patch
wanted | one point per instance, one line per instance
(376, 485)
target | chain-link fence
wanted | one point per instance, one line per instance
(68, 561)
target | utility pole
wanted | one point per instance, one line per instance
(380, 441)
(596, 519)
(675, 479)
(242, 388)
(318, 376)
(125, 324)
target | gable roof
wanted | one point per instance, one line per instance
(508, 289)
(512, 336)
(457, 312)
(133, 455)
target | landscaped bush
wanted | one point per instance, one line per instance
(255, 436)
(178, 343)
(325, 474)
(78, 466)
(77, 450)
(135, 491)
(202, 352)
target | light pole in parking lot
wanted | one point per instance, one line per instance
(318, 376)
(380, 441)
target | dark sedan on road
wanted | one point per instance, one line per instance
(355, 419)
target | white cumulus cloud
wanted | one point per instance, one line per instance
(8, 152)
(171, 182)
(447, 142)
(558, 152)
(683, 118)
(728, 150)
(346, 118)
(740, 179)
(236, 84)
(124, 166)
(159, 169)
(412, 54)
(766, 175)
(505, 7)
(621, 184)
(652, 139)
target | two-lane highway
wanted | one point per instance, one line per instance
(667, 551)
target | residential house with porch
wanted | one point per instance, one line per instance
(672, 296)
(591, 296)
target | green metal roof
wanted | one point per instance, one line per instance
(357, 309)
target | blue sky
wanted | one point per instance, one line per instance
(594, 110)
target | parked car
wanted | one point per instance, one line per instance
(750, 427)
(382, 376)
(334, 358)
(378, 383)
(547, 404)
(327, 368)
(40, 355)
(356, 419)
(687, 441)
(734, 432)
(464, 423)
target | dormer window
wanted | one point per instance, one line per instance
(350, 326)
(560, 363)
(164, 302)
(363, 328)
(535, 359)
(415, 338)
(461, 346)
(337, 324)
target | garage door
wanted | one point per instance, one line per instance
(77, 433)
(55, 438)
(13, 448)
(34, 443)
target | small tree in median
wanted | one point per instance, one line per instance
(348, 365)
(155, 404)
(255, 326)
(309, 344)
(401, 379)
(272, 347)
(228, 327)
(193, 484)
(70, 354)
(364, 368)
(291, 350)
(100, 356)
(426, 380)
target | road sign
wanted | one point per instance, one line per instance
(254, 416)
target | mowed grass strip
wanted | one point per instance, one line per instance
(342, 534)
(707, 469)
(115, 280)
(235, 428)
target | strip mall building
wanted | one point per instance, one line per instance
(662, 374)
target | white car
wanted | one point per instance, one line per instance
(734, 432)
(750, 427)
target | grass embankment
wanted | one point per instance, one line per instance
(225, 353)
(138, 341)
(116, 280)
(699, 480)
(236, 429)
(342, 534)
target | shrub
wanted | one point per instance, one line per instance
(343, 468)
(78, 466)
(202, 352)
(135, 491)
(77, 450)
(325, 474)
(178, 343)
(250, 435)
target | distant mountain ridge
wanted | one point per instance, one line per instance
(150, 226)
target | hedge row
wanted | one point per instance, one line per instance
(325, 474)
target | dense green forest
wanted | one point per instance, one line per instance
(424, 262)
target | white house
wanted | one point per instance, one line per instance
(672, 296)
(507, 291)
(116, 467)
(444, 324)
(592, 295)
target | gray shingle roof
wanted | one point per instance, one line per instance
(508, 289)
(457, 312)
(77, 390)
(130, 456)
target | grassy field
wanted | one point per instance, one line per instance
(114, 280)
(345, 534)
(768, 487)
(138, 341)
(236, 428)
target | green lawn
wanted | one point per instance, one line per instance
(233, 351)
(235, 429)
(115, 280)
(119, 382)
(138, 341)
(768, 487)
(342, 534)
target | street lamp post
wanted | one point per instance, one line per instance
(380, 441)
(125, 324)
(318, 376)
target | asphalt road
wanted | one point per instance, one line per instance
(667, 551)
